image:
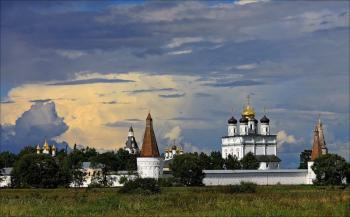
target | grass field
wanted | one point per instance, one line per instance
(177, 201)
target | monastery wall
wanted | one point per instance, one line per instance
(260, 177)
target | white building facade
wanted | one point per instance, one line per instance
(249, 136)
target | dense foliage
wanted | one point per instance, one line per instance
(249, 162)
(188, 169)
(305, 156)
(44, 171)
(330, 169)
(32, 170)
(141, 186)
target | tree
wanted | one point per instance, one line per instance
(305, 157)
(329, 169)
(347, 173)
(7, 159)
(187, 168)
(232, 163)
(216, 161)
(78, 176)
(26, 150)
(204, 161)
(107, 162)
(33, 170)
(249, 162)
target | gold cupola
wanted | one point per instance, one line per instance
(46, 146)
(248, 110)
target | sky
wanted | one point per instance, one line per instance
(84, 71)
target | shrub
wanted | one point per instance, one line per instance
(166, 182)
(142, 186)
(244, 187)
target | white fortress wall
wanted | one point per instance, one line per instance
(260, 177)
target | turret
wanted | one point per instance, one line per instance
(53, 151)
(264, 126)
(232, 127)
(243, 126)
(131, 132)
(38, 149)
(46, 148)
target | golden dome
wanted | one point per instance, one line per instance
(248, 111)
(46, 146)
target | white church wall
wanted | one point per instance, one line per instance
(260, 177)
(271, 150)
(260, 150)
(249, 148)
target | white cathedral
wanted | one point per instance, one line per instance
(248, 136)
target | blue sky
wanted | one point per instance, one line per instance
(189, 63)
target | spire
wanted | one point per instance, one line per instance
(316, 146)
(320, 133)
(131, 129)
(149, 146)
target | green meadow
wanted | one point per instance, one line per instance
(177, 201)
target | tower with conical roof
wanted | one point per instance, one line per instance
(131, 144)
(149, 164)
(319, 145)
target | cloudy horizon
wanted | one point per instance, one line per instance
(83, 72)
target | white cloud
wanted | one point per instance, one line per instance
(71, 54)
(174, 134)
(180, 52)
(246, 66)
(245, 2)
(283, 137)
(177, 42)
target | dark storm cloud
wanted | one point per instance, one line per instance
(40, 122)
(92, 81)
(189, 119)
(203, 95)
(7, 102)
(110, 102)
(176, 95)
(150, 90)
(235, 83)
(40, 100)
(125, 123)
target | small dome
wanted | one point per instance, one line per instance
(264, 120)
(243, 120)
(173, 147)
(255, 121)
(232, 120)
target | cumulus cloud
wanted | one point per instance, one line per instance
(284, 138)
(40, 122)
(174, 134)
